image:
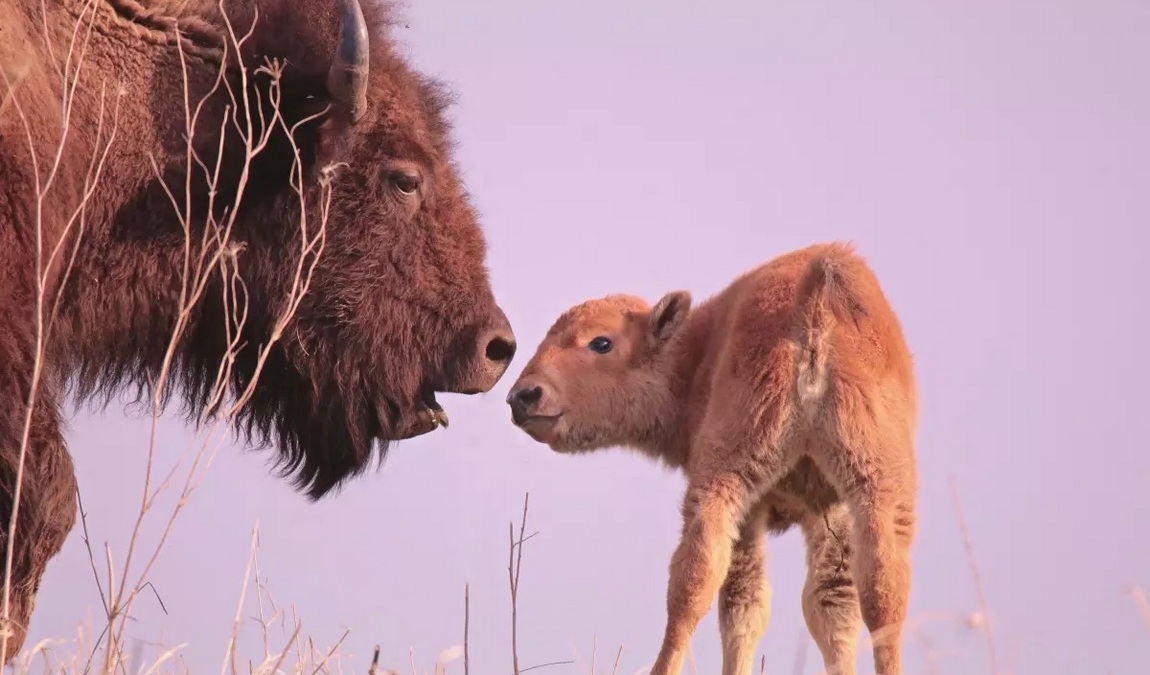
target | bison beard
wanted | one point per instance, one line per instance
(323, 429)
(399, 307)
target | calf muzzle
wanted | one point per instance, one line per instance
(524, 400)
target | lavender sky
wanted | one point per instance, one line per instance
(990, 159)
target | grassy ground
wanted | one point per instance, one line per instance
(268, 638)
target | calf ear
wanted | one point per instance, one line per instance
(668, 314)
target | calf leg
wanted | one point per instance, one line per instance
(712, 513)
(715, 507)
(830, 600)
(880, 489)
(882, 573)
(738, 453)
(745, 598)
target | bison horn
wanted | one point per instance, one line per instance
(347, 77)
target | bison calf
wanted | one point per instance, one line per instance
(787, 399)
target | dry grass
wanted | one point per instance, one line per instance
(284, 649)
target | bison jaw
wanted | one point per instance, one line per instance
(428, 417)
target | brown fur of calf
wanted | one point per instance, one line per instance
(789, 398)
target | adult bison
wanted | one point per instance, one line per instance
(399, 305)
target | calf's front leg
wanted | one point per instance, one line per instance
(712, 513)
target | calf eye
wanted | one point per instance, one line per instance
(600, 345)
(406, 183)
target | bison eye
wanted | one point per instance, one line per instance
(407, 183)
(600, 345)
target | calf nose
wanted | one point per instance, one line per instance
(525, 397)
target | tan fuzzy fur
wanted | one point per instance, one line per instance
(786, 399)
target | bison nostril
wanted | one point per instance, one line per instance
(500, 349)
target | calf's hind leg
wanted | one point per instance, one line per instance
(879, 486)
(745, 598)
(830, 600)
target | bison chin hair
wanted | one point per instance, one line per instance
(324, 425)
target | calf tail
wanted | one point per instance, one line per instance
(825, 302)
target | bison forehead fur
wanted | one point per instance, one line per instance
(399, 304)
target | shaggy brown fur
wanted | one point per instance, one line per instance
(787, 399)
(400, 304)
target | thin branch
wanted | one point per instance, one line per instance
(374, 667)
(230, 652)
(331, 652)
(974, 572)
(515, 563)
(547, 665)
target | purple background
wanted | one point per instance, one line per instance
(991, 160)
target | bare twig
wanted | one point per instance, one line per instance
(979, 589)
(374, 667)
(514, 564)
(331, 652)
(230, 653)
(547, 665)
(88, 545)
